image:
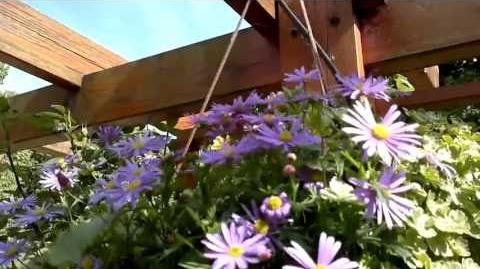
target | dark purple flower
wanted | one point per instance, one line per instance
(382, 199)
(257, 222)
(11, 251)
(276, 99)
(300, 76)
(232, 248)
(109, 134)
(139, 145)
(371, 87)
(59, 174)
(276, 208)
(130, 182)
(281, 137)
(101, 191)
(327, 250)
(36, 214)
(90, 262)
(13, 204)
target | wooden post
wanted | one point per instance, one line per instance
(334, 27)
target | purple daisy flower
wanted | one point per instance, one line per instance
(382, 199)
(256, 222)
(36, 214)
(327, 250)
(232, 248)
(276, 208)
(276, 99)
(228, 153)
(57, 180)
(269, 119)
(109, 134)
(139, 145)
(90, 262)
(102, 190)
(300, 76)
(371, 87)
(13, 204)
(130, 182)
(436, 161)
(11, 251)
(280, 136)
(389, 139)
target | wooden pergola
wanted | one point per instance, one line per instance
(373, 36)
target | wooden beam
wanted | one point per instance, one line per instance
(443, 97)
(160, 87)
(45, 48)
(261, 15)
(408, 35)
(176, 77)
(334, 27)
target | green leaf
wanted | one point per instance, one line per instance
(70, 245)
(4, 105)
(402, 84)
(439, 246)
(454, 222)
(423, 224)
(194, 265)
(459, 245)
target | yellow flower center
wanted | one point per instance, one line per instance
(12, 251)
(268, 118)
(261, 226)
(137, 172)
(138, 145)
(110, 185)
(236, 251)
(380, 131)
(320, 266)
(87, 263)
(286, 136)
(134, 185)
(275, 202)
(39, 211)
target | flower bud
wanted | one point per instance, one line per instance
(289, 170)
(291, 157)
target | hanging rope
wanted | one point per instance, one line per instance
(209, 94)
(304, 31)
(316, 56)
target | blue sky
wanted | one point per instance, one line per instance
(133, 28)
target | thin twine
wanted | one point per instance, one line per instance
(316, 55)
(233, 38)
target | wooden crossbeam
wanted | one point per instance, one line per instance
(443, 97)
(166, 85)
(45, 48)
(261, 15)
(407, 35)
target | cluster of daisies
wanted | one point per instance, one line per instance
(255, 124)
(139, 172)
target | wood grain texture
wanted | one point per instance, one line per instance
(45, 48)
(397, 37)
(176, 77)
(424, 78)
(261, 15)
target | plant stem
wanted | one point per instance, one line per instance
(10, 160)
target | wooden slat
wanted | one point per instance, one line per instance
(160, 87)
(261, 15)
(45, 48)
(408, 35)
(443, 97)
(176, 77)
